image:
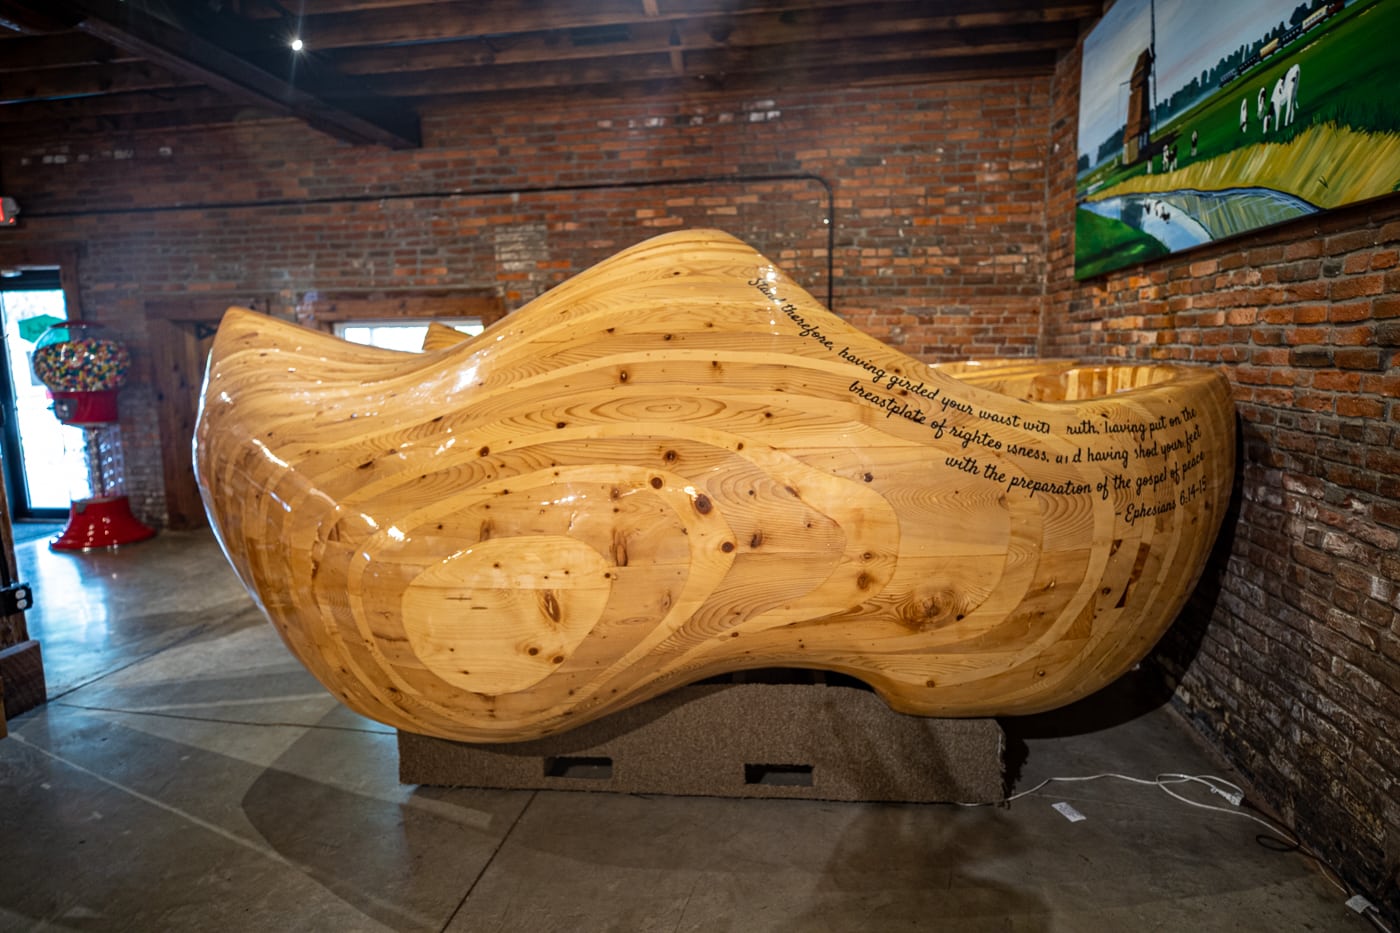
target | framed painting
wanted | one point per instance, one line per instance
(1201, 120)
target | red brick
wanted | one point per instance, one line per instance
(1337, 381)
(1360, 335)
(1386, 306)
(1358, 358)
(1310, 356)
(1360, 407)
(1349, 311)
(1357, 285)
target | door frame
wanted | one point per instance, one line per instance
(62, 256)
(11, 441)
(36, 257)
(174, 329)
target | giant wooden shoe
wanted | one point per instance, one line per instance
(679, 464)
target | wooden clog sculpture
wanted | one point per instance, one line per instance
(679, 464)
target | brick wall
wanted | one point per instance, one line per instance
(935, 193)
(1289, 657)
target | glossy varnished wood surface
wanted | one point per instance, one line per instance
(679, 464)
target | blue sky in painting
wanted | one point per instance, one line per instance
(1192, 35)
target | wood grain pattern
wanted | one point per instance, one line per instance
(679, 464)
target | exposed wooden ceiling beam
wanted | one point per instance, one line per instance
(390, 18)
(204, 61)
(84, 81)
(613, 70)
(209, 64)
(61, 50)
(85, 64)
(186, 99)
(70, 128)
(709, 64)
(543, 14)
(381, 24)
(29, 20)
(698, 33)
(424, 22)
(934, 47)
(1031, 64)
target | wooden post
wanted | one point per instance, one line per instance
(12, 627)
(21, 666)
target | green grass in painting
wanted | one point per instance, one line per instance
(1325, 165)
(1102, 244)
(1348, 79)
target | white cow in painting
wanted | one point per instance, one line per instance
(1271, 106)
(1261, 108)
(1280, 107)
(1286, 102)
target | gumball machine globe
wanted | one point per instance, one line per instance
(83, 370)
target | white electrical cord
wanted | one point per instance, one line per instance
(1217, 785)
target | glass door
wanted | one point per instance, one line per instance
(42, 457)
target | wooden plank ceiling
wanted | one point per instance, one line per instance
(69, 67)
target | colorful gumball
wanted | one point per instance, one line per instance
(71, 357)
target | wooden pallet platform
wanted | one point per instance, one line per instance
(815, 741)
(22, 673)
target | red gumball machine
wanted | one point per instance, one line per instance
(83, 371)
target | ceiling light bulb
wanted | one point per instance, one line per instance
(297, 44)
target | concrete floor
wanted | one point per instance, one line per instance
(187, 774)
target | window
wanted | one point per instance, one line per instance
(399, 335)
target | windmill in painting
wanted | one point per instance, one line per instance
(1201, 120)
